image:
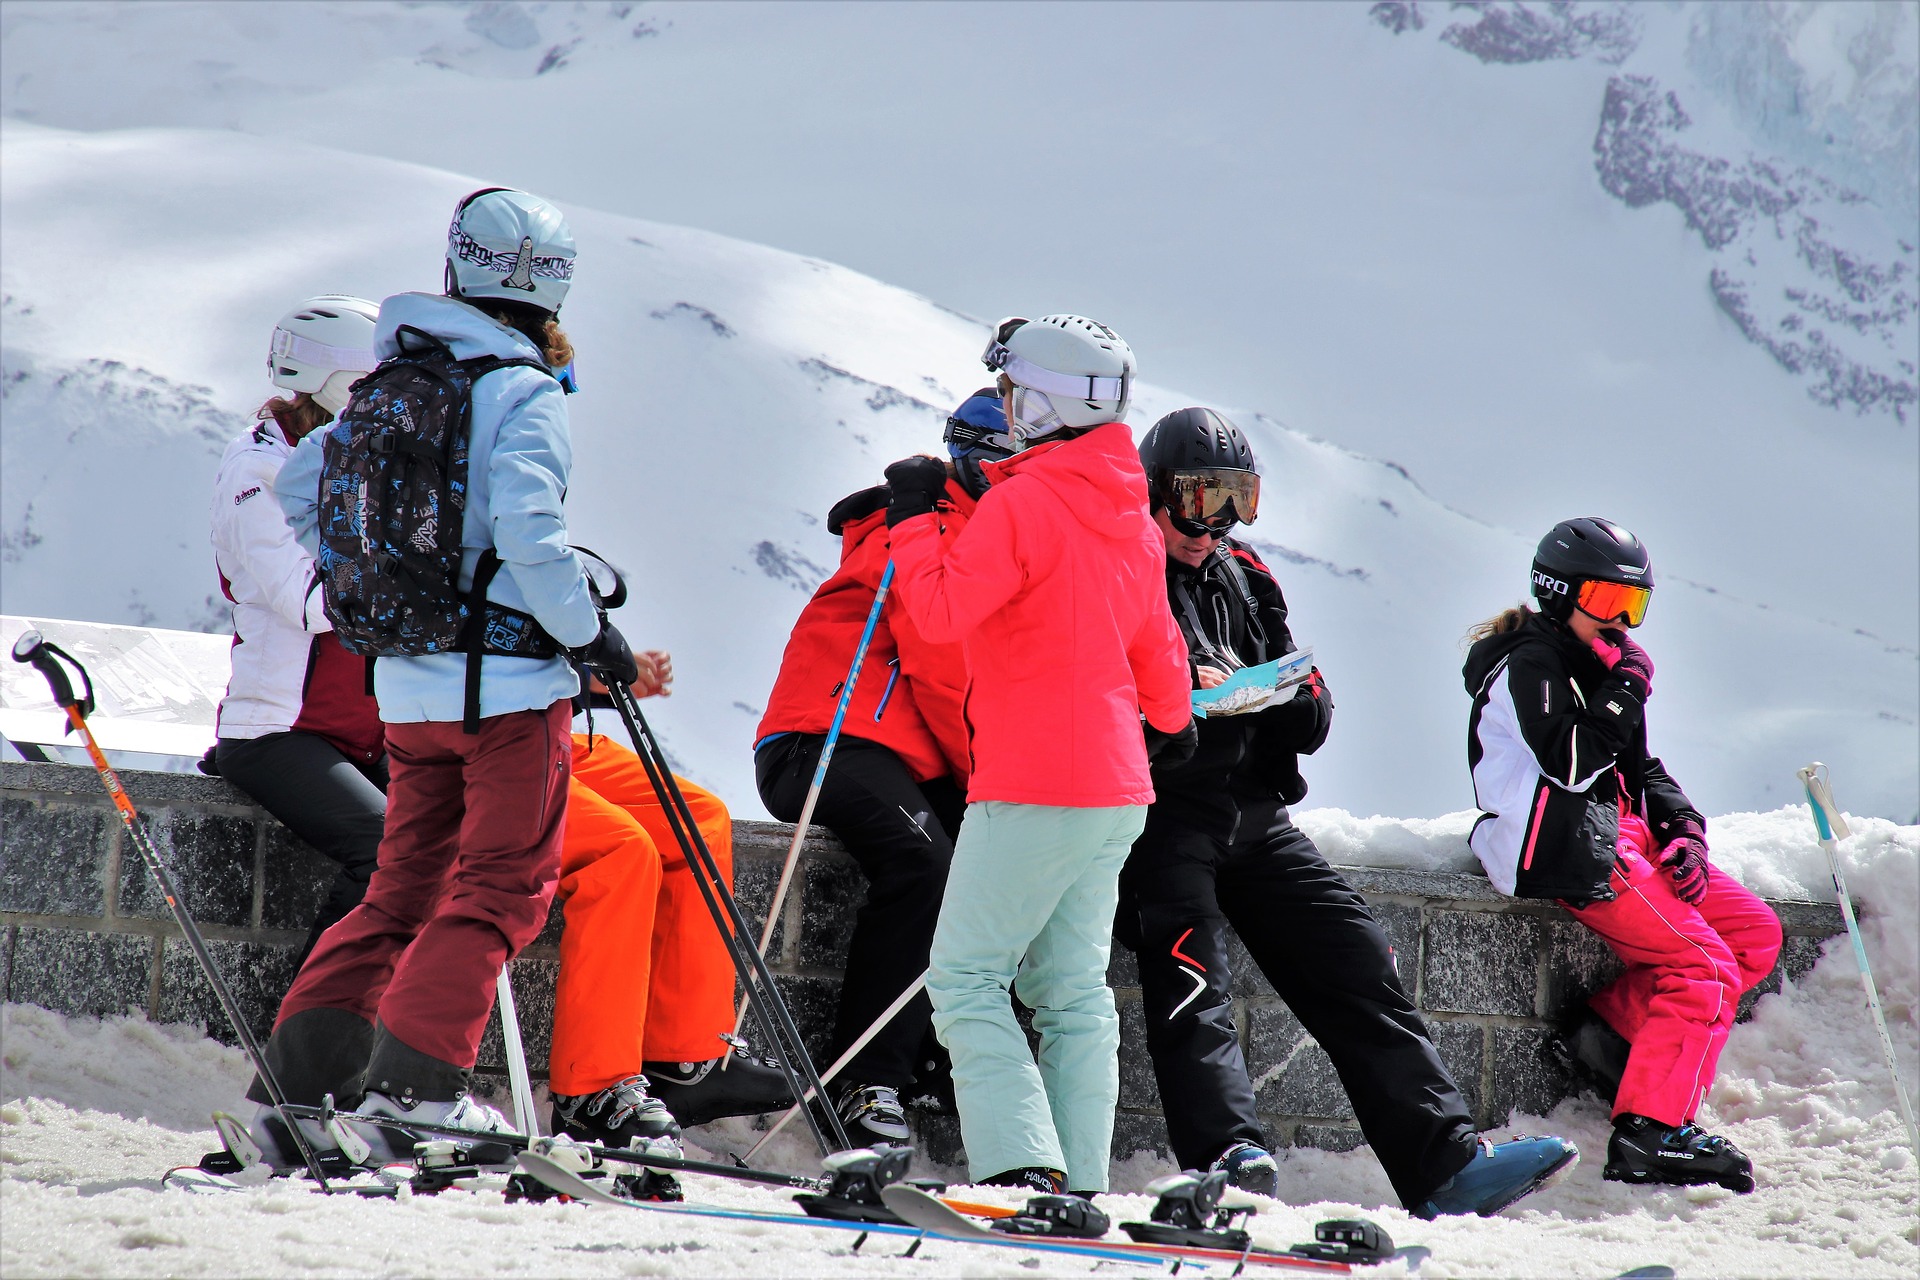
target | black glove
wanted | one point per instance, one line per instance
(1303, 720)
(609, 654)
(917, 485)
(1170, 749)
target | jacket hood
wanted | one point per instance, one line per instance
(1487, 654)
(1098, 476)
(470, 332)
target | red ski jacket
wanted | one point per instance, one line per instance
(1057, 589)
(909, 693)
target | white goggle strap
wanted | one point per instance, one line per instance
(1025, 373)
(309, 351)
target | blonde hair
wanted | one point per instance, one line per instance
(1500, 623)
(297, 414)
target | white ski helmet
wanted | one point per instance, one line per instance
(1066, 372)
(508, 244)
(323, 346)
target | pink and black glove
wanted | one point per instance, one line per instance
(1628, 661)
(1684, 858)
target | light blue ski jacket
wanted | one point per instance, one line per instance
(519, 457)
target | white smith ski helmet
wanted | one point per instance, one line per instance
(508, 244)
(323, 346)
(1065, 371)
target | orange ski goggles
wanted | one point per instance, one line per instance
(1614, 601)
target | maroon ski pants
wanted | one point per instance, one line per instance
(468, 865)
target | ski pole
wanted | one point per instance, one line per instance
(1832, 826)
(518, 1082)
(813, 790)
(33, 648)
(776, 1020)
(887, 1015)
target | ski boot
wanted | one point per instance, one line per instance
(1594, 1054)
(872, 1113)
(1499, 1174)
(699, 1092)
(267, 1141)
(388, 1143)
(1250, 1167)
(623, 1114)
(854, 1194)
(1189, 1214)
(1049, 1182)
(1644, 1150)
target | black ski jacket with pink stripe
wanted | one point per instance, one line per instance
(1554, 742)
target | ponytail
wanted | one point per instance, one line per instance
(1500, 624)
(538, 326)
(298, 414)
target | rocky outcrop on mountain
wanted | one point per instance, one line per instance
(1804, 266)
(1509, 32)
(1785, 272)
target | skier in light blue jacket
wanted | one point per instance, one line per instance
(394, 998)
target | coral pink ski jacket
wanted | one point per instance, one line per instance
(1057, 589)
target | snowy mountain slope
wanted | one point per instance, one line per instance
(731, 394)
(1383, 241)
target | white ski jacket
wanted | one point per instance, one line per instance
(271, 581)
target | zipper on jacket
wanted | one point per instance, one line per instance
(1533, 835)
(887, 692)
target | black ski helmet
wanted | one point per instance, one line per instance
(1589, 549)
(1192, 440)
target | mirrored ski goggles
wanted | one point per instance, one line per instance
(569, 381)
(1211, 500)
(1614, 601)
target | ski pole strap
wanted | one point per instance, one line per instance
(494, 630)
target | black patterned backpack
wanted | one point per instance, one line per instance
(393, 496)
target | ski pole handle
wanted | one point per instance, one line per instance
(35, 650)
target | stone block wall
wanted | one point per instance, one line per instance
(83, 930)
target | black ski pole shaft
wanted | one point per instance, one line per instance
(772, 1010)
(768, 1006)
(32, 648)
(618, 1155)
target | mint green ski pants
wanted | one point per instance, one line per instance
(1029, 906)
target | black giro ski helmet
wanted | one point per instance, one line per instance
(1589, 549)
(1201, 469)
(976, 433)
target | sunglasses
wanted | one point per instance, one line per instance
(1211, 500)
(1614, 601)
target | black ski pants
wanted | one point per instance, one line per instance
(901, 833)
(1324, 954)
(321, 796)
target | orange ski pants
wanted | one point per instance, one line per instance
(644, 976)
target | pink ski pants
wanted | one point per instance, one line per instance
(1687, 967)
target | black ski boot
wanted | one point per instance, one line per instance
(1048, 1182)
(1594, 1054)
(1644, 1150)
(623, 1114)
(699, 1092)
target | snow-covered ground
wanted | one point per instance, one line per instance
(92, 1112)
